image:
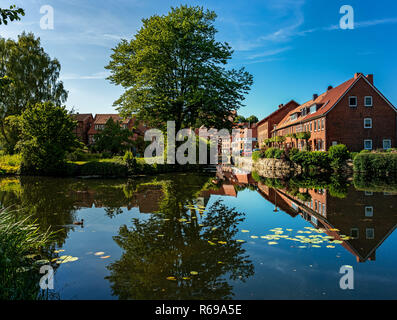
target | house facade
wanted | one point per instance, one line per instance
(265, 127)
(100, 121)
(354, 113)
(84, 123)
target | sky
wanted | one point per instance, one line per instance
(293, 48)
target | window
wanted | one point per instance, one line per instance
(311, 127)
(386, 144)
(334, 143)
(313, 109)
(370, 233)
(368, 123)
(368, 193)
(315, 125)
(368, 101)
(322, 124)
(352, 101)
(324, 209)
(354, 233)
(368, 144)
(369, 212)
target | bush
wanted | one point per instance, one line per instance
(104, 169)
(312, 159)
(376, 163)
(273, 153)
(338, 155)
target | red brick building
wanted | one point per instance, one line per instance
(354, 113)
(266, 126)
(129, 123)
(84, 123)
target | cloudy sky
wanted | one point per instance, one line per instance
(294, 48)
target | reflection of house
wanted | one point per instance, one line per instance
(368, 218)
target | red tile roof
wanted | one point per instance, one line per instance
(326, 101)
(281, 107)
(103, 118)
(81, 116)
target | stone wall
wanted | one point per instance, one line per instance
(269, 168)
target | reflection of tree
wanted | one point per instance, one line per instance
(166, 246)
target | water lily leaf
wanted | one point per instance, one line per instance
(330, 247)
(254, 237)
(171, 278)
(240, 240)
(211, 243)
(245, 231)
(105, 257)
(43, 261)
(58, 251)
(272, 243)
(194, 273)
(99, 253)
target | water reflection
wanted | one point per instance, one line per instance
(359, 215)
(179, 236)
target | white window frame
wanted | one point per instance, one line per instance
(366, 119)
(373, 233)
(365, 102)
(334, 143)
(383, 144)
(351, 105)
(366, 140)
(369, 211)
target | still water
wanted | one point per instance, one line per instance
(227, 236)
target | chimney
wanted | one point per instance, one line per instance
(370, 78)
(315, 96)
(329, 88)
(280, 106)
(357, 74)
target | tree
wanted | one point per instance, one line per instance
(306, 137)
(240, 119)
(46, 136)
(174, 70)
(32, 77)
(113, 138)
(252, 119)
(12, 14)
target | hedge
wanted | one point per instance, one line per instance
(312, 159)
(376, 163)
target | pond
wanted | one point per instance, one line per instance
(228, 236)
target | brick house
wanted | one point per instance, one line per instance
(129, 123)
(354, 113)
(266, 126)
(84, 123)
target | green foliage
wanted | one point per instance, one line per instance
(338, 155)
(46, 136)
(376, 163)
(113, 139)
(104, 169)
(256, 155)
(273, 153)
(312, 159)
(19, 239)
(375, 182)
(11, 14)
(174, 69)
(12, 132)
(10, 164)
(34, 77)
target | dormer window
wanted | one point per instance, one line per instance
(294, 116)
(352, 101)
(313, 109)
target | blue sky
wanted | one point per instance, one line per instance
(294, 48)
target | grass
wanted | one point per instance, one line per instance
(21, 242)
(9, 164)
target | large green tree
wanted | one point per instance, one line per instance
(175, 70)
(113, 138)
(32, 77)
(46, 136)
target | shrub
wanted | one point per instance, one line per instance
(273, 153)
(376, 162)
(256, 155)
(338, 155)
(312, 159)
(104, 169)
